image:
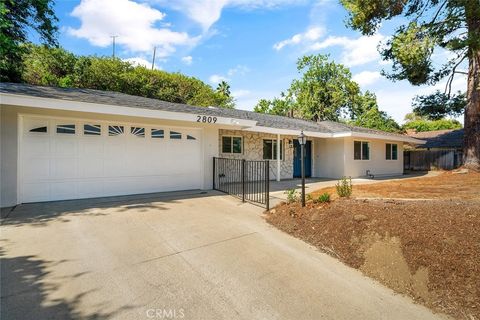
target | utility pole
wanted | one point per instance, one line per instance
(113, 45)
(153, 60)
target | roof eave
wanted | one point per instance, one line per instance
(81, 106)
(378, 136)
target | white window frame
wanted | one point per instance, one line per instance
(274, 154)
(391, 151)
(361, 150)
(231, 144)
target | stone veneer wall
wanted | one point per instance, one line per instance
(253, 150)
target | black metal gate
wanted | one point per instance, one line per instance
(246, 179)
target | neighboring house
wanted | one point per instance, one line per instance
(61, 144)
(439, 139)
(443, 149)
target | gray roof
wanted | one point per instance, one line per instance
(126, 100)
(440, 138)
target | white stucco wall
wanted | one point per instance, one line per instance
(377, 164)
(334, 158)
(328, 156)
(9, 133)
(8, 157)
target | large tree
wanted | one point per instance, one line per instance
(325, 91)
(17, 19)
(452, 25)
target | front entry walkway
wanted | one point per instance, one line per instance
(278, 188)
(182, 256)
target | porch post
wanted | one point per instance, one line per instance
(278, 157)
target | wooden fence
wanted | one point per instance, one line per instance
(432, 159)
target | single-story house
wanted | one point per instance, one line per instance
(59, 144)
(450, 139)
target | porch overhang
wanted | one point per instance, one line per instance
(287, 132)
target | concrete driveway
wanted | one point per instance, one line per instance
(176, 256)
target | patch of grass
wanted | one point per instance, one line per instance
(323, 198)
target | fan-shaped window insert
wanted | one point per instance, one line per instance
(115, 130)
(138, 131)
(66, 128)
(158, 133)
(92, 129)
(175, 135)
(39, 129)
(189, 137)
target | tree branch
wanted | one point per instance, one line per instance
(438, 11)
(448, 85)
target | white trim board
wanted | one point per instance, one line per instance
(59, 104)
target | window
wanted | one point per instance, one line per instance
(66, 128)
(391, 151)
(115, 130)
(270, 149)
(231, 144)
(189, 137)
(175, 135)
(361, 150)
(39, 129)
(158, 133)
(92, 129)
(137, 131)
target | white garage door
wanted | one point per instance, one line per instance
(72, 159)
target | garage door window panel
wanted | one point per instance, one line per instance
(175, 135)
(157, 133)
(138, 132)
(42, 129)
(92, 129)
(115, 130)
(66, 129)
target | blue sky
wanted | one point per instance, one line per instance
(253, 45)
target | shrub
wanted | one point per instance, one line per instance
(308, 197)
(292, 195)
(324, 197)
(344, 187)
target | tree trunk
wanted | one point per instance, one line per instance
(471, 148)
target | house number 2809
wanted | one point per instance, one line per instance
(206, 119)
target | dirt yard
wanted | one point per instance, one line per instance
(428, 249)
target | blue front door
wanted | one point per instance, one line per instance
(297, 165)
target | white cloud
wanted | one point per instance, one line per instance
(132, 22)
(310, 35)
(355, 51)
(139, 61)
(188, 60)
(240, 93)
(207, 12)
(217, 78)
(238, 70)
(366, 78)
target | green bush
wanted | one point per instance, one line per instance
(292, 195)
(344, 187)
(324, 197)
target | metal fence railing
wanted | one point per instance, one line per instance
(246, 179)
